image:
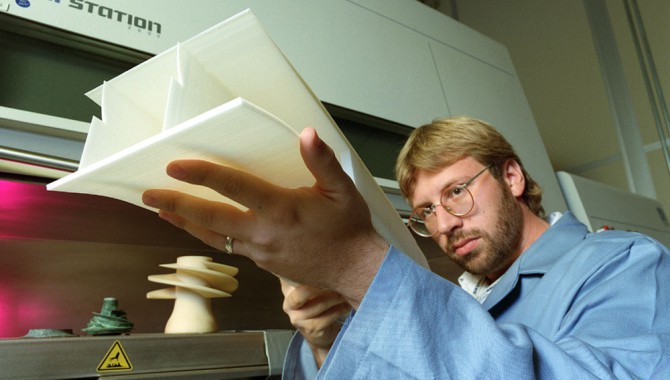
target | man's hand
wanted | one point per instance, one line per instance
(316, 313)
(321, 235)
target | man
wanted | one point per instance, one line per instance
(557, 302)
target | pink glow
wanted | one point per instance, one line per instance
(11, 192)
(6, 314)
(16, 199)
(14, 196)
(17, 316)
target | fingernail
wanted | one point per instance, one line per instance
(176, 171)
(149, 200)
(317, 140)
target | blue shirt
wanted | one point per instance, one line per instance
(575, 305)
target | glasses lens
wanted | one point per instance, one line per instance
(458, 200)
(417, 222)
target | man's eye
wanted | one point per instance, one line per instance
(456, 191)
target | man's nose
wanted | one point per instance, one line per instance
(446, 222)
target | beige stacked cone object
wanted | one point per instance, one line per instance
(197, 280)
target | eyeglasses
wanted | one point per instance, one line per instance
(456, 200)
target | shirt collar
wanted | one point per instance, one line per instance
(547, 249)
(541, 256)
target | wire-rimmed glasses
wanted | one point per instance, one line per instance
(456, 200)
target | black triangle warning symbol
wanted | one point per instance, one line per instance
(115, 360)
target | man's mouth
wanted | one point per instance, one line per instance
(465, 246)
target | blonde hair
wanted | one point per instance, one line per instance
(443, 142)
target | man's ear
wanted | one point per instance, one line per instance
(512, 174)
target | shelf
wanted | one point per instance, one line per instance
(222, 354)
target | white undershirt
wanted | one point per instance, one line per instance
(476, 285)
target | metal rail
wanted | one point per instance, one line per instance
(652, 83)
(51, 162)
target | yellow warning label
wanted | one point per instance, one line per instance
(115, 360)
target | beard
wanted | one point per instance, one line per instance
(496, 249)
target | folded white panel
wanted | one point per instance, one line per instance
(187, 91)
(236, 134)
(193, 92)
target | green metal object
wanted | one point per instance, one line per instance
(109, 321)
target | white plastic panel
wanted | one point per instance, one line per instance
(442, 29)
(598, 205)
